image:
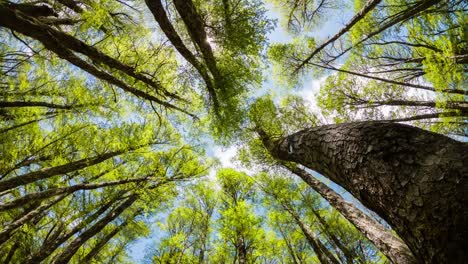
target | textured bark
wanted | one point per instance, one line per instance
(390, 245)
(71, 249)
(323, 254)
(414, 179)
(7, 230)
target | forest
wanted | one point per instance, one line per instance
(233, 131)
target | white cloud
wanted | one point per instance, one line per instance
(310, 90)
(226, 155)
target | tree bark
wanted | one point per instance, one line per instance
(414, 179)
(390, 245)
(241, 251)
(196, 29)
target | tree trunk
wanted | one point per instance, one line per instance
(414, 179)
(369, 6)
(7, 230)
(390, 245)
(46, 173)
(350, 255)
(63, 45)
(11, 252)
(157, 9)
(98, 247)
(195, 26)
(288, 245)
(71, 249)
(68, 190)
(323, 254)
(56, 240)
(241, 251)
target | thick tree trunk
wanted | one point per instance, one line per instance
(414, 179)
(391, 246)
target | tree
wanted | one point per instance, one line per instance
(396, 170)
(262, 114)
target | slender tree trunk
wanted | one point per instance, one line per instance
(98, 247)
(411, 12)
(391, 246)
(414, 179)
(61, 169)
(288, 245)
(63, 45)
(349, 254)
(241, 251)
(7, 230)
(156, 7)
(71, 249)
(196, 29)
(369, 6)
(68, 190)
(56, 240)
(323, 254)
(11, 252)
(37, 104)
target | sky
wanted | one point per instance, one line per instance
(308, 91)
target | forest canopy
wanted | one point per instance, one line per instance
(233, 131)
